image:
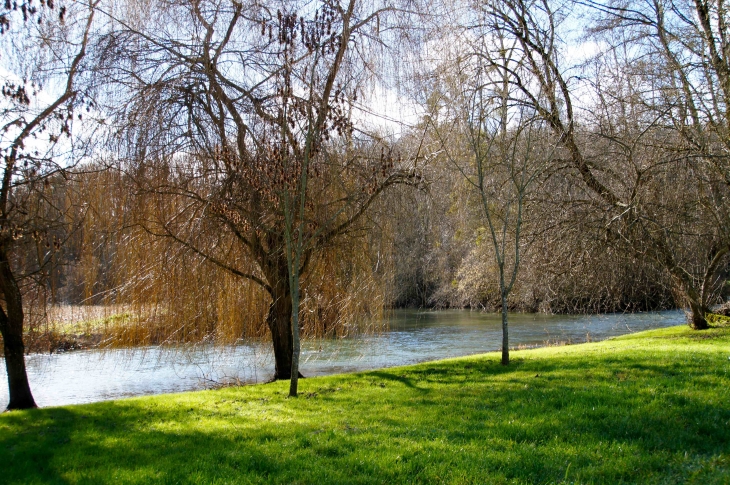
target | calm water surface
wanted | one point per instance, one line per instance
(414, 336)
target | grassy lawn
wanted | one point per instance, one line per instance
(645, 408)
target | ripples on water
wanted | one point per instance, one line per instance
(414, 336)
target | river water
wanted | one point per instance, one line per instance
(413, 336)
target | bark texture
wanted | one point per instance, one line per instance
(11, 328)
(279, 319)
(279, 322)
(505, 331)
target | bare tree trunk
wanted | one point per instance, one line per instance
(698, 319)
(296, 345)
(11, 328)
(684, 284)
(279, 322)
(279, 319)
(505, 331)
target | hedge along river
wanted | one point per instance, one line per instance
(413, 336)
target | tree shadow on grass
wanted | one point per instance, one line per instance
(628, 421)
(398, 377)
(30, 439)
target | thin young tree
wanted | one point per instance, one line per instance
(502, 159)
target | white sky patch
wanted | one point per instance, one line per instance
(387, 111)
(581, 52)
(65, 152)
(12, 114)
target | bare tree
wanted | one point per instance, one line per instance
(628, 200)
(503, 157)
(41, 95)
(675, 82)
(240, 115)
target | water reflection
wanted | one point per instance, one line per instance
(414, 336)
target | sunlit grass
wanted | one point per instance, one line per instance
(645, 408)
(718, 320)
(92, 326)
(82, 320)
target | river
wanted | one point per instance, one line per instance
(413, 336)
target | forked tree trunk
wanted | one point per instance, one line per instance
(700, 301)
(11, 328)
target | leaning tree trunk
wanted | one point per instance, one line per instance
(685, 287)
(698, 316)
(11, 328)
(700, 301)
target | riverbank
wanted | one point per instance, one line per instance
(87, 376)
(64, 328)
(70, 328)
(643, 408)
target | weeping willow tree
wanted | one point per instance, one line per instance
(150, 290)
(239, 131)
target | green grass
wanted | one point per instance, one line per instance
(93, 325)
(715, 319)
(645, 408)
